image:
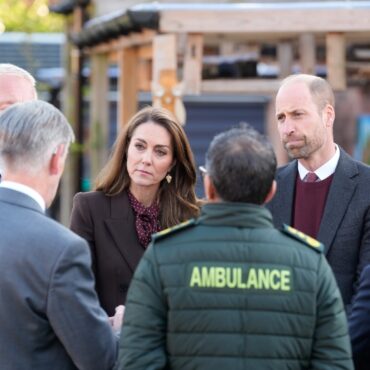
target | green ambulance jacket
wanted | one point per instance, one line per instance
(229, 291)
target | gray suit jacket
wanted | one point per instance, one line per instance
(50, 317)
(345, 225)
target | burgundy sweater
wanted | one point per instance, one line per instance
(309, 204)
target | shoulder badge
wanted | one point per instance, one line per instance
(173, 229)
(302, 237)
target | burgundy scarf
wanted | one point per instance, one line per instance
(146, 219)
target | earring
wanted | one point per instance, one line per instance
(168, 178)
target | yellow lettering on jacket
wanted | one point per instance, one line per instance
(254, 278)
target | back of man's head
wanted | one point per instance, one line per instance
(30, 133)
(241, 165)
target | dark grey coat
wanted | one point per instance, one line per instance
(50, 317)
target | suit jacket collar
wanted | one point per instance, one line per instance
(284, 198)
(19, 199)
(344, 184)
(121, 226)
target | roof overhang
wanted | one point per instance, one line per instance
(113, 25)
(67, 6)
(253, 20)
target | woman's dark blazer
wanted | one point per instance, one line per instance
(108, 225)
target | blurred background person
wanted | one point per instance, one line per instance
(147, 185)
(50, 315)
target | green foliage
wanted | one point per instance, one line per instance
(28, 16)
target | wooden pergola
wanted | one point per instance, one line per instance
(150, 34)
(163, 44)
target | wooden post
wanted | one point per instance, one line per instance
(166, 91)
(99, 120)
(307, 53)
(165, 82)
(127, 84)
(193, 64)
(145, 55)
(336, 60)
(285, 58)
(71, 107)
(164, 55)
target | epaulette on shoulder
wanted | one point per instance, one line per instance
(174, 229)
(303, 238)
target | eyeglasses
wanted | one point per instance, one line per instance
(202, 170)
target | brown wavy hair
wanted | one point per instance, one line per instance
(177, 200)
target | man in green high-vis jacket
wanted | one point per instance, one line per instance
(228, 290)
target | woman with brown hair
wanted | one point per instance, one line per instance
(146, 186)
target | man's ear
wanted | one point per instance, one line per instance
(57, 160)
(210, 190)
(271, 192)
(329, 117)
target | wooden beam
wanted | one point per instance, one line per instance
(265, 20)
(336, 60)
(102, 48)
(285, 58)
(134, 39)
(307, 53)
(145, 52)
(193, 64)
(127, 85)
(99, 119)
(254, 86)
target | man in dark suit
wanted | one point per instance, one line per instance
(323, 192)
(50, 317)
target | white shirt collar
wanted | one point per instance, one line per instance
(25, 190)
(326, 170)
